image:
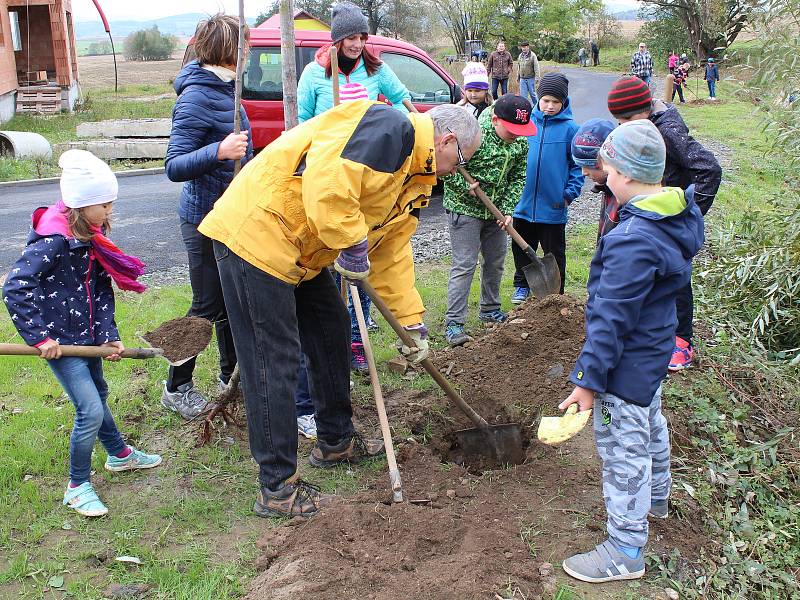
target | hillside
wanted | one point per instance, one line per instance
(182, 26)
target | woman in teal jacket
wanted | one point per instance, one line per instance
(356, 65)
(553, 180)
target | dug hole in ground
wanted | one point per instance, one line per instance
(467, 532)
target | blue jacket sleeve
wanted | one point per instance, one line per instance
(104, 309)
(187, 156)
(630, 264)
(575, 181)
(306, 95)
(22, 288)
(393, 88)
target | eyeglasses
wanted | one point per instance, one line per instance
(462, 162)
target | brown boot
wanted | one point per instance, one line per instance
(354, 450)
(296, 498)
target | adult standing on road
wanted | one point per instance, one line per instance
(642, 64)
(361, 75)
(201, 152)
(343, 189)
(595, 49)
(349, 33)
(499, 68)
(528, 73)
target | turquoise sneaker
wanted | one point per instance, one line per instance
(84, 501)
(135, 460)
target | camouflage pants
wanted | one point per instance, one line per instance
(633, 443)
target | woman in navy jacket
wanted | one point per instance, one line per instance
(201, 153)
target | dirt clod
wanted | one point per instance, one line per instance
(181, 338)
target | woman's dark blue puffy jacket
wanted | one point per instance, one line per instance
(201, 119)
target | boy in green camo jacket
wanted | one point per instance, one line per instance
(499, 167)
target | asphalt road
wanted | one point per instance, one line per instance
(145, 216)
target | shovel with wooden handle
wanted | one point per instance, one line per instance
(394, 472)
(501, 443)
(83, 351)
(542, 274)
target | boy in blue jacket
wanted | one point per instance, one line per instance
(638, 268)
(712, 77)
(553, 180)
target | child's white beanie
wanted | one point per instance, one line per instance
(86, 180)
(475, 76)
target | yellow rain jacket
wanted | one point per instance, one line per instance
(356, 171)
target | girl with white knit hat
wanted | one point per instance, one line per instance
(476, 88)
(59, 293)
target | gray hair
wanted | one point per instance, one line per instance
(449, 118)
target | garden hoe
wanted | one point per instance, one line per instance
(500, 443)
(394, 472)
(542, 274)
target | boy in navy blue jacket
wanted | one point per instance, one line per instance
(552, 181)
(635, 274)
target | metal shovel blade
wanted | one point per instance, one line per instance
(500, 443)
(543, 276)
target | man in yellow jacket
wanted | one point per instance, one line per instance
(343, 188)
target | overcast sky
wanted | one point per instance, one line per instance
(143, 10)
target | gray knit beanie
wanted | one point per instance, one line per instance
(636, 149)
(346, 20)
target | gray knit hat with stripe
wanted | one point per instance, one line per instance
(346, 20)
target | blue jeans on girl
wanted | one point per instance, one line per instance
(82, 380)
(712, 88)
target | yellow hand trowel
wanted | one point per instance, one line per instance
(554, 430)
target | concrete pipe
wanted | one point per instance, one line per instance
(24, 144)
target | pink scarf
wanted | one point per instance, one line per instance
(123, 268)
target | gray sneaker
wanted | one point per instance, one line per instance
(186, 400)
(659, 509)
(605, 563)
(455, 334)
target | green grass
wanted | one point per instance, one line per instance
(131, 102)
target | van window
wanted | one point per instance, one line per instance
(425, 84)
(263, 77)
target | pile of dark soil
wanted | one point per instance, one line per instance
(463, 533)
(181, 338)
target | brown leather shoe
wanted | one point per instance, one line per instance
(295, 499)
(354, 450)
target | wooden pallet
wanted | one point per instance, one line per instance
(38, 99)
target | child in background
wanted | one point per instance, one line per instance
(712, 77)
(585, 148)
(553, 181)
(476, 89)
(59, 292)
(634, 277)
(499, 166)
(681, 73)
(688, 163)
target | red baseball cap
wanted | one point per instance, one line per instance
(515, 113)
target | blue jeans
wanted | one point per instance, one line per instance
(502, 83)
(712, 88)
(302, 396)
(366, 304)
(82, 380)
(270, 319)
(527, 89)
(645, 78)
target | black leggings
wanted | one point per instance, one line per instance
(552, 238)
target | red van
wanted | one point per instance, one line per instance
(262, 91)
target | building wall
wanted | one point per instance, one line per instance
(8, 68)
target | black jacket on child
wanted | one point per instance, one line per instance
(688, 161)
(58, 290)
